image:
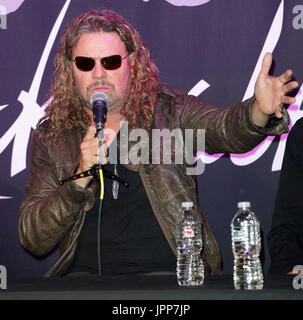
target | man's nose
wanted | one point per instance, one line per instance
(98, 71)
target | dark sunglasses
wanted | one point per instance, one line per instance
(109, 63)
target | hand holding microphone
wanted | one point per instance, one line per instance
(93, 146)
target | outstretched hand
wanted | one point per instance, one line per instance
(270, 92)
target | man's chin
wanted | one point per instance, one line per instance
(113, 105)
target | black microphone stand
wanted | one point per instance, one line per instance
(94, 172)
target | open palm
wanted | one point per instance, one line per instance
(271, 91)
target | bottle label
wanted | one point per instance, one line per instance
(189, 232)
(237, 235)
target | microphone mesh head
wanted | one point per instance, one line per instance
(98, 95)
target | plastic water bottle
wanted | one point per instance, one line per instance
(246, 246)
(190, 268)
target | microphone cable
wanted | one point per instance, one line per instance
(101, 179)
(99, 217)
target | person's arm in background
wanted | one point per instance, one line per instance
(285, 238)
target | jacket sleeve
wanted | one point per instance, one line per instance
(49, 210)
(229, 129)
(285, 238)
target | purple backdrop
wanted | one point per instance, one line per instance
(212, 49)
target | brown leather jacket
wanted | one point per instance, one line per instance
(52, 214)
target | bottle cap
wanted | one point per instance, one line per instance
(187, 205)
(244, 204)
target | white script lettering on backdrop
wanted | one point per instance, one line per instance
(32, 111)
(294, 110)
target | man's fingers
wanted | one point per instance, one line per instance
(286, 76)
(102, 158)
(279, 112)
(290, 86)
(288, 100)
(266, 64)
(104, 147)
(91, 132)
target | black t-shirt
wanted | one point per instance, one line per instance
(131, 238)
(285, 238)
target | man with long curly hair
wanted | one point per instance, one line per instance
(100, 51)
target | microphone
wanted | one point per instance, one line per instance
(99, 101)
